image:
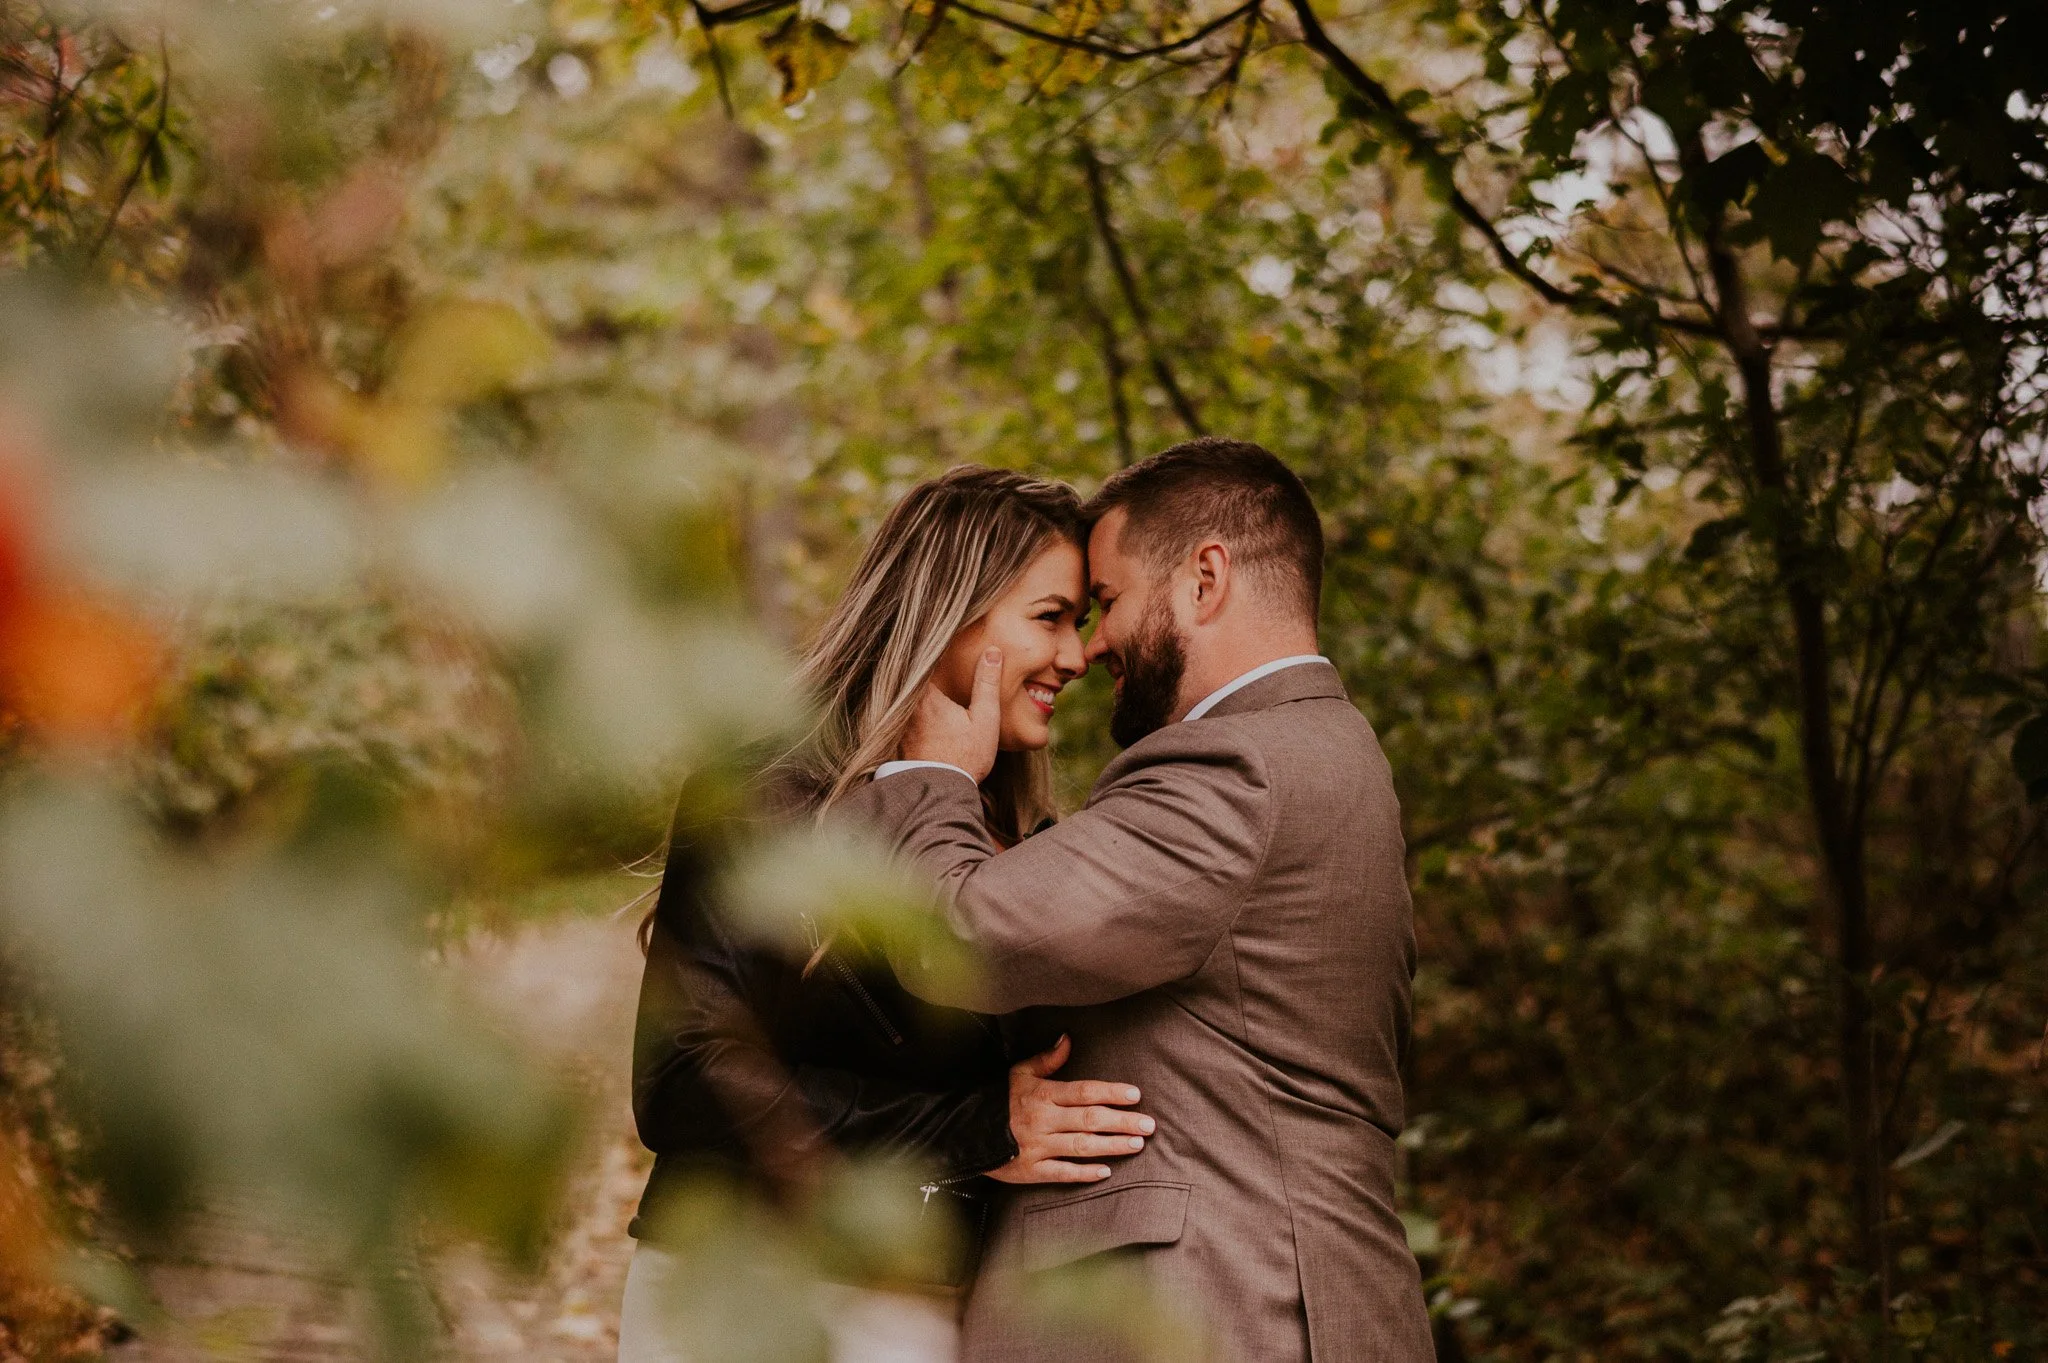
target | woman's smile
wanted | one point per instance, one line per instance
(1037, 626)
(1042, 695)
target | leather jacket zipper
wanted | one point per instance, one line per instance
(852, 982)
(945, 1185)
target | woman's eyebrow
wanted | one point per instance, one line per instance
(1055, 599)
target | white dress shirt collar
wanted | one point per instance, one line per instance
(1210, 701)
(891, 768)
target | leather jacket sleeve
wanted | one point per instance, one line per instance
(707, 1081)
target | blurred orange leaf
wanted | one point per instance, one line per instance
(317, 412)
(27, 1246)
(16, 513)
(78, 670)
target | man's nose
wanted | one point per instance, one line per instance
(1097, 649)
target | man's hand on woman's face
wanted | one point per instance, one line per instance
(943, 730)
(1061, 1127)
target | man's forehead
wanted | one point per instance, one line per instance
(1105, 560)
(1105, 536)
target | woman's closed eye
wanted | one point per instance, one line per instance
(1056, 612)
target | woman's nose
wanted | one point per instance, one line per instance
(1070, 661)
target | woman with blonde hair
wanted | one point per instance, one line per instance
(751, 1062)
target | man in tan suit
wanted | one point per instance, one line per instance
(1226, 924)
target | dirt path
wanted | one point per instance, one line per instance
(566, 989)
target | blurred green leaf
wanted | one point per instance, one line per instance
(272, 1036)
(805, 54)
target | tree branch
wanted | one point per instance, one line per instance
(1423, 147)
(1842, 847)
(1114, 370)
(738, 14)
(917, 164)
(142, 157)
(1227, 82)
(931, 26)
(1110, 51)
(1910, 693)
(1672, 216)
(59, 96)
(1912, 1053)
(1676, 220)
(1635, 282)
(709, 20)
(1127, 282)
(1872, 757)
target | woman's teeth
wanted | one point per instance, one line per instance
(1042, 695)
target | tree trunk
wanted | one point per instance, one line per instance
(1839, 832)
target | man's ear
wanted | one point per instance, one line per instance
(1212, 580)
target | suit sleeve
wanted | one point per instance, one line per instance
(707, 1080)
(1133, 892)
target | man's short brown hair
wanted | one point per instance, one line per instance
(1227, 490)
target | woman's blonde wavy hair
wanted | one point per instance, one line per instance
(941, 558)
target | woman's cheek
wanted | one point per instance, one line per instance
(1019, 726)
(1036, 646)
(1017, 663)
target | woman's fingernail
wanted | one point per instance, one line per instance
(994, 655)
(1137, 1142)
(1130, 1095)
(1145, 1124)
(1101, 1173)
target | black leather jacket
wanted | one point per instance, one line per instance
(746, 1064)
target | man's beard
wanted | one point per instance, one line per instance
(1152, 664)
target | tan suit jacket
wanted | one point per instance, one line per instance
(1226, 925)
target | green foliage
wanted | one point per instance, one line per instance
(805, 54)
(309, 613)
(1669, 379)
(1780, 580)
(257, 701)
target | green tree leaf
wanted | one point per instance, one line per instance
(805, 54)
(1797, 200)
(1572, 104)
(1728, 178)
(1710, 539)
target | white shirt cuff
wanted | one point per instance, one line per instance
(891, 768)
